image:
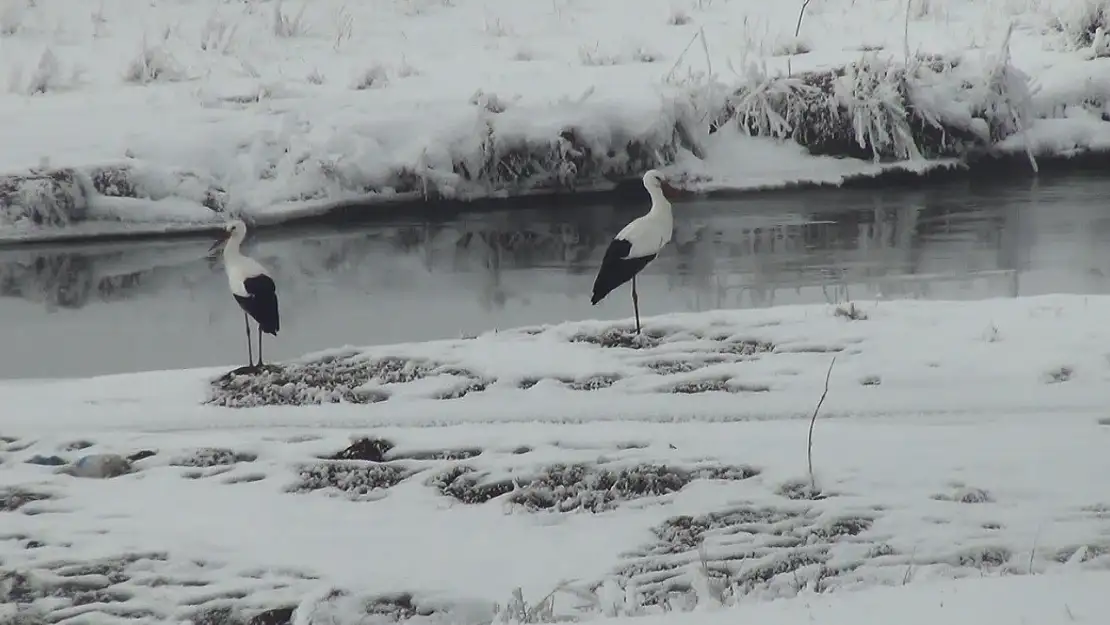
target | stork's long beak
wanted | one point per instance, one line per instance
(221, 238)
(669, 191)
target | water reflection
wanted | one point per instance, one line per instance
(80, 310)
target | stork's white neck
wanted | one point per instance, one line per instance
(231, 249)
(659, 202)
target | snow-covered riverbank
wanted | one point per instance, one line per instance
(623, 476)
(157, 116)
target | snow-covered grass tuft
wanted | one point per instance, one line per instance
(579, 487)
(289, 24)
(47, 75)
(1082, 22)
(376, 76)
(218, 34)
(678, 17)
(12, 15)
(878, 108)
(153, 63)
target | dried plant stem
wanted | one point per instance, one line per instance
(801, 12)
(797, 32)
(813, 421)
(906, 34)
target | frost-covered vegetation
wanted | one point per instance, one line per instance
(280, 108)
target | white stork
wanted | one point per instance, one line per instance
(637, 244)
(251, 286)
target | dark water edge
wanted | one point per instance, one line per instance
(1003, 168)
(397, 276)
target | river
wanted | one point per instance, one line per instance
(85, 309)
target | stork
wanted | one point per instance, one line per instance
(637, 244)
(252, 287)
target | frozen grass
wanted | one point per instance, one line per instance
(280, 109)
(973, 458)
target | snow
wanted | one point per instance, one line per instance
(285, 109)
(959, 458)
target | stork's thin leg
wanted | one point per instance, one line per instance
(259, 347)
(250, 354)
(636, 304)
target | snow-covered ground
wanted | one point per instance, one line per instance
(169, 109)
(600, 474)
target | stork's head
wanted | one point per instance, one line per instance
(233, 228)
(655, 180)
(236, 227)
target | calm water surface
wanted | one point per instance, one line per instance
(88, 309)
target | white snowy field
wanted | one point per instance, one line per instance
(275, 109)
(599, 474)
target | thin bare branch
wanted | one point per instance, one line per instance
(801, 12)
(813, 421)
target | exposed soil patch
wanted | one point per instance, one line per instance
(381, 450)
(353, 379)
(745, 549)
(46, 461)
(12, 499)
(439, 454)
(211, 457)
(966, 494)
(621, 337)
(723, 383)
(246, 478)
(568, 487)
(357, 480)
(465, 484)
(397, 608)
(578, 486)
(77, 445)
(221, 615)
(472, 385)
(746, 347)
(726, 472)
(593, 383)
(987, 557)
(810, 348)
(850, 312)
(130, 587)
(273, 616)
(371, 449)
(671, 367)
(701, 386)
(1082, 553)
(801, 490)
(1058, 375)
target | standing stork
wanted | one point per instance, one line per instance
(637, 244)
(251, 286)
